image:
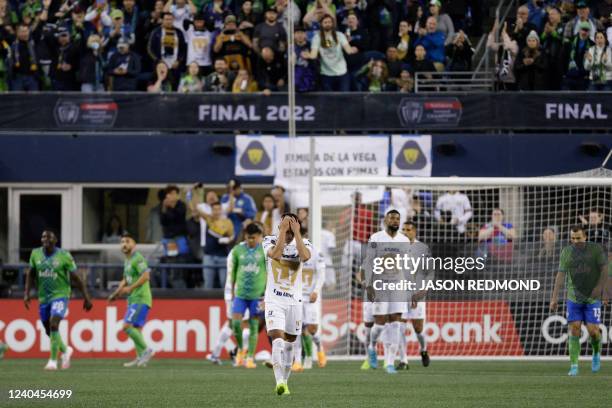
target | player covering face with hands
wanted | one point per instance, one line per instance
(285, 253)
(53, 270)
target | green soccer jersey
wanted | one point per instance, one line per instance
(247, 268)
(583, 270)
(133, 267)
(52, 273)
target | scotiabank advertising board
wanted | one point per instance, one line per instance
(191, 328)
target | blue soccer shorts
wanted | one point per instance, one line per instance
(56, 307)
(136, 314)
(589, 313)
(240, 305)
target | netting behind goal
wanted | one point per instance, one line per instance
(453, 220)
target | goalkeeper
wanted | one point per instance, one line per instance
(582, 266)
(246, 266)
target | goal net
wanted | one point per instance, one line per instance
(516, 226)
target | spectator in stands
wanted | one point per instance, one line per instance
(91, 66)
(216, 12)
(404, 45)
(574, 26)
(269, 215)
(576, 76)
(199, 44)
(531, 67)
(302, 214)
(241, 208)
(357, 38)
(379, 15)
(221, 79)
(154, 19)
(305, 69)
(98, 14)
(459, 53)
(233, 45)
(24, 62)
(270, 33)
(123, 68)
(596, 229)
(328, 44)
(453, 208)
(549, 249)
(375, 74)
(457, 11)
(174, 225)
(433, 42)
(315, 11)
(247, 18)
(522, 27)
(603, 11)
(393, 63)
(219, 236)
(181, 10)
(552, 47)
(497, 236)
(4, 66)
(349, 8)
(421, 63)
(117, 30)
(270, 72)
(191, 82)
(113, 231)
(64, 60)
(133, 21)
(154, 232)
(278, 192)
(288, 11)
(537, 14)
(443, 21)
(598, 61)
(161, 81)
(244, 83)
(405, 83)
(167, 44)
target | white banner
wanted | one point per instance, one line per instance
(411, 155)
(363, 156)
(254, 155)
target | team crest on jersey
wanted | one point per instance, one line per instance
(55, 263)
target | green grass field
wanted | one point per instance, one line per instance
(192, 383)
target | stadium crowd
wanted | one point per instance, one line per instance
(239, 46)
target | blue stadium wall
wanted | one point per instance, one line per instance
(162, 158)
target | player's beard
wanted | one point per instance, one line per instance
(393, 228)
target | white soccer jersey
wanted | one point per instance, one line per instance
(328, 243)
(383, 236)
(284, 284)
(458, 205)
(313, 273)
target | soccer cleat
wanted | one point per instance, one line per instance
(281, 388)
(51, 365)
(3, 349)
(297, 367)
(322, 359)
(307, 363)
(425, 358)
(145, 357)
(66, 358)
(250, 363)
(239, 359)
(132, 363)
(402, 366)
(366, 364)
(373, 358)
(232, 354)
(391, 369)
(268, 363)
(573, 372)
(596, 362)
(213, 359)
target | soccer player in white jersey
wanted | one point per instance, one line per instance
(313, 277)
(387, 312)
(286, 253)
(416, 314)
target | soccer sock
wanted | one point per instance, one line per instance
(574, 349)
(596, 344)
(138, 340)
(316, 339)
(402, 343)
(253, 336)
(298, 349)
(237, 333)
(55, 344)
(277, 359)
(368, 334)
(246, 333)
(393, 340)
(377, 330)
(226, 333)
(422, 341)
(307, 339)
(287, 360)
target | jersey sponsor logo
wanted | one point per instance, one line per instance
(47, 273)
(251, 268)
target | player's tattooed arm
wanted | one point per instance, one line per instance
(78, 282)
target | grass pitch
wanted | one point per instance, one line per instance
(195, 383)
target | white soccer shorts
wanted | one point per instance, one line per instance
(287, 318)
(387, 308)
(311, 313)
(368, 317)
(418, 313)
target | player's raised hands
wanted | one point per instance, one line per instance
(295, 226)
(285, 224)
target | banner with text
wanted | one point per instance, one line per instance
(411, 155)
(255, 155)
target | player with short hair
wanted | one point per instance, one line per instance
(387, 312)
(285, 256)
(313, 277)
(583, 267)
(54, 270)
(416, 314)
(135, 285)
(246, 266)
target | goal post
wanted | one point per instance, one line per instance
(536, 217)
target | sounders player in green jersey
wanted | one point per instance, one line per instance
(135, 284)
(53, 269)
(247, 274)
(583, 266)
